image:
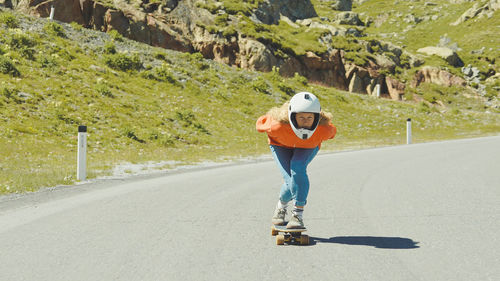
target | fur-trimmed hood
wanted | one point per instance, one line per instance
(281, 114)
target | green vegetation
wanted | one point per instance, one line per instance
(233, 7)
(115, 35)
(9, 19)
(122, 62)
(7, 67)
(148, 104)
(54, 29)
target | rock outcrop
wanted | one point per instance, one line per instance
(6, 3)
(429, 74)
(479, 10)
(395, 88)
(180, 25)
(340, 5)
(270, 11)
(446, 53)
(350, 18)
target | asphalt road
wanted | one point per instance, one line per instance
(413, 212)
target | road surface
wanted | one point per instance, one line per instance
(413, 212)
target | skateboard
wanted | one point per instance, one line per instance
(290, 236)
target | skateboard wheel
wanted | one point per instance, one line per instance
(280, 239)
(304, 240)
(274, 232)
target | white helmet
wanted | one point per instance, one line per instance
(304, 102)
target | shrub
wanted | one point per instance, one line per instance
(431, 97)
(221, 20)
(76, 26)
(424, 108)
(47, 62)
(286, 89)
(163, 74)
(20, 41)
(27, 53)
(408, 96)
(229, 32)
(129, 133)
(261, 86)
(188, 120)
(159, 55)
(54, 29)
(23, 45)
(211, 7)
(7, 67)
(109, 48)
(196, 56)
(9, 93)
(115, 35)
(123, 62)
(9, 20)
(103, 90)
(198, 61)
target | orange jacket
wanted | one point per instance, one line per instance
(281, 134)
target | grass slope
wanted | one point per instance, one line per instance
(147, 104)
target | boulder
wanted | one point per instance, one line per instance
(341, 5)
(471, 74)
(395, 88)
(350, 18)
(171, 4)
(446, 53)
(6, 3)
(270, 11)
(255, 56)
(429, 74)
(391, 48)
(356, 84)
(361, 80)
(479, 11)
(385, 62)
(334, 31)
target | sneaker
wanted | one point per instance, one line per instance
(279, 216)
(295, 222)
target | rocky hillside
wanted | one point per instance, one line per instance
(163, 108)
(383, 48)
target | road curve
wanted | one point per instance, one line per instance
(414, 212)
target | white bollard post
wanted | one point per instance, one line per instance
(52, 10)
(377, 90)
(81, 172)
(408, 131)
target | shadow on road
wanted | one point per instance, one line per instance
(377, 242)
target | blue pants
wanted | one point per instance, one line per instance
(293, 166)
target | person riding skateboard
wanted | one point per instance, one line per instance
(295, 132)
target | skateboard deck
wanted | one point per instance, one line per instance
(289, 236)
